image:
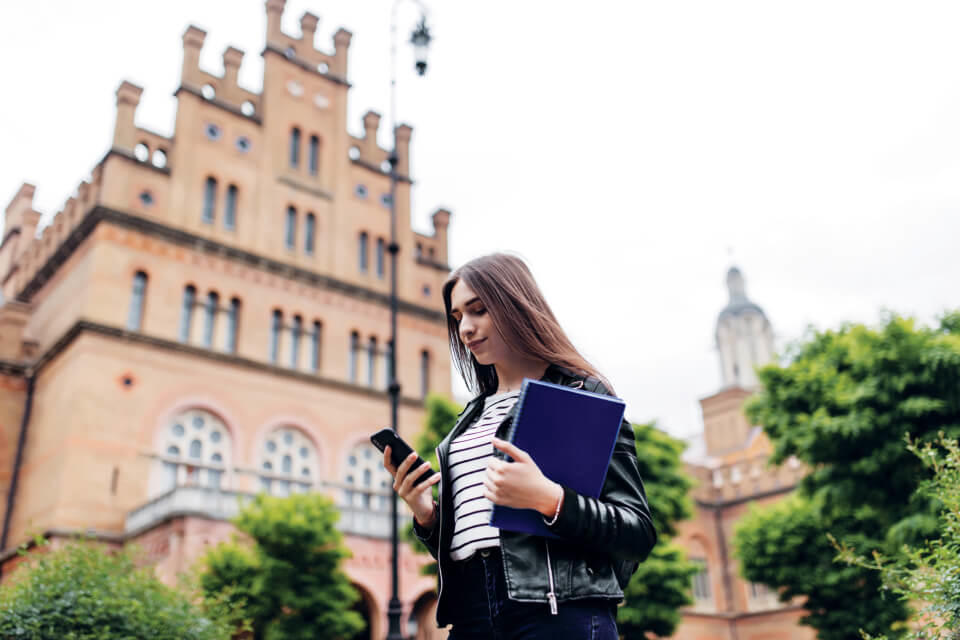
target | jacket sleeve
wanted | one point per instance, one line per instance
(429, 537)
(619, 521)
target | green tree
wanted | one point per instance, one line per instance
(288, 583)
(927, 573)
(82, 592)
(662, 583)
(843, 405)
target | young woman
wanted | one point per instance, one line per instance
(501, 584)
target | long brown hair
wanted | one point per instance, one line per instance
(520, 315)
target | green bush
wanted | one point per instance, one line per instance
(82, 592)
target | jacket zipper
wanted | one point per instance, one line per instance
(440, 533)
(551, 595)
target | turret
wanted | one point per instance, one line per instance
(341, 43)
(193, 39)
(232, 59)
(402, 144)
(308, 29)
(125, 131)
(371, 122)
(274, 15)
(744, 336)
(441, 220)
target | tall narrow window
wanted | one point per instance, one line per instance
(294, 148)
(362, 251)
(186, 312)
(210, 318)
(371, 362)
(315, 347)
(233, 324)
(309, 234)
(296, 330)
(230, 210)
(314, 160)
(380, 257)
(291, 229)
(275, 326)
(424, 373)
(354, 348)
(135, 316)
(209, 199)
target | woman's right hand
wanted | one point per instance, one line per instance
(420, 497)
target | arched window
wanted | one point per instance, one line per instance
(209, 199)
(195, 449)
(380, 257)
(366, 497)
(296, 330)
(230, 211)
(294, 148)
(210, 318)
(291, 229)
(314, 159)
(362, 251)
(354, 348)
(371, 361)
(424, 373)
(315, 346)
(309, 234)
(275, 326)
(288, 462)
(233, 324)
(135, 317)
(186, 312)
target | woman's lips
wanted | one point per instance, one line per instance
(473, 345)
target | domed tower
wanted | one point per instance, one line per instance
(744, 336)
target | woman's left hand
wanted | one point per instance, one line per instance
(520, 484)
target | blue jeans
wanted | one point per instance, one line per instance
(484, 611)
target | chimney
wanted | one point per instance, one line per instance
(308, 28)
(124, 129)
(401, 136)
(192, 44)
(341, 42)
(441, 220)
(274, 14)
(371, 122)
(232, 59)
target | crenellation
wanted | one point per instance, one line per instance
(232, 60)
(401, 136)
(441, 222)
(274, 16)
(308, 29)
(193, 39)
(369, 151)
(341, 45)
(124, 130)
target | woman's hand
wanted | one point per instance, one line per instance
(420, 497)
(520, 484)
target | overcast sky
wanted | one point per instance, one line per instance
(625, 149)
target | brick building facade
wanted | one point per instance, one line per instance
(208, 317)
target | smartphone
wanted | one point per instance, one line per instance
(399, 450)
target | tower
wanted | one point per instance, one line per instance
(744, 336)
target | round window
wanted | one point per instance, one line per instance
(213, 132)
(208, 92)
(243, 144)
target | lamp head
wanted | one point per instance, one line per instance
(420, 38)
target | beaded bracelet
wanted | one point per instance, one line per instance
(556, 514)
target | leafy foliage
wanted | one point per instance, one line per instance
(927, 573)
(842, 406)
(289, 583)
(662, 583)
(83, 592)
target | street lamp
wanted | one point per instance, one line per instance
(420, 38)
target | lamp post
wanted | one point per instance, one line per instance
(420, 38)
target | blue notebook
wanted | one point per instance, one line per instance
(570, 434)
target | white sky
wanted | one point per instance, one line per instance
(623, 148)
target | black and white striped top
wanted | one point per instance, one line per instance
(469, 454)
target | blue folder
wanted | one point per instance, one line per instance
(570, 434)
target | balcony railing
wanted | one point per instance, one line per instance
(222, 504)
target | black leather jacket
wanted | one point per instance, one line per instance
(601, 540)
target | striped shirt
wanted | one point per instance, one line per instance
(469, 454)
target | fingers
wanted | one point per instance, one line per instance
(510, 449)
(387, 462)
(402, 471)
(406, 486)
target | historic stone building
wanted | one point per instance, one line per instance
(208, 317)
(731, 475)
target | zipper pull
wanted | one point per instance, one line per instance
(552, 597)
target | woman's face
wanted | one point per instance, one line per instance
(475, 326)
